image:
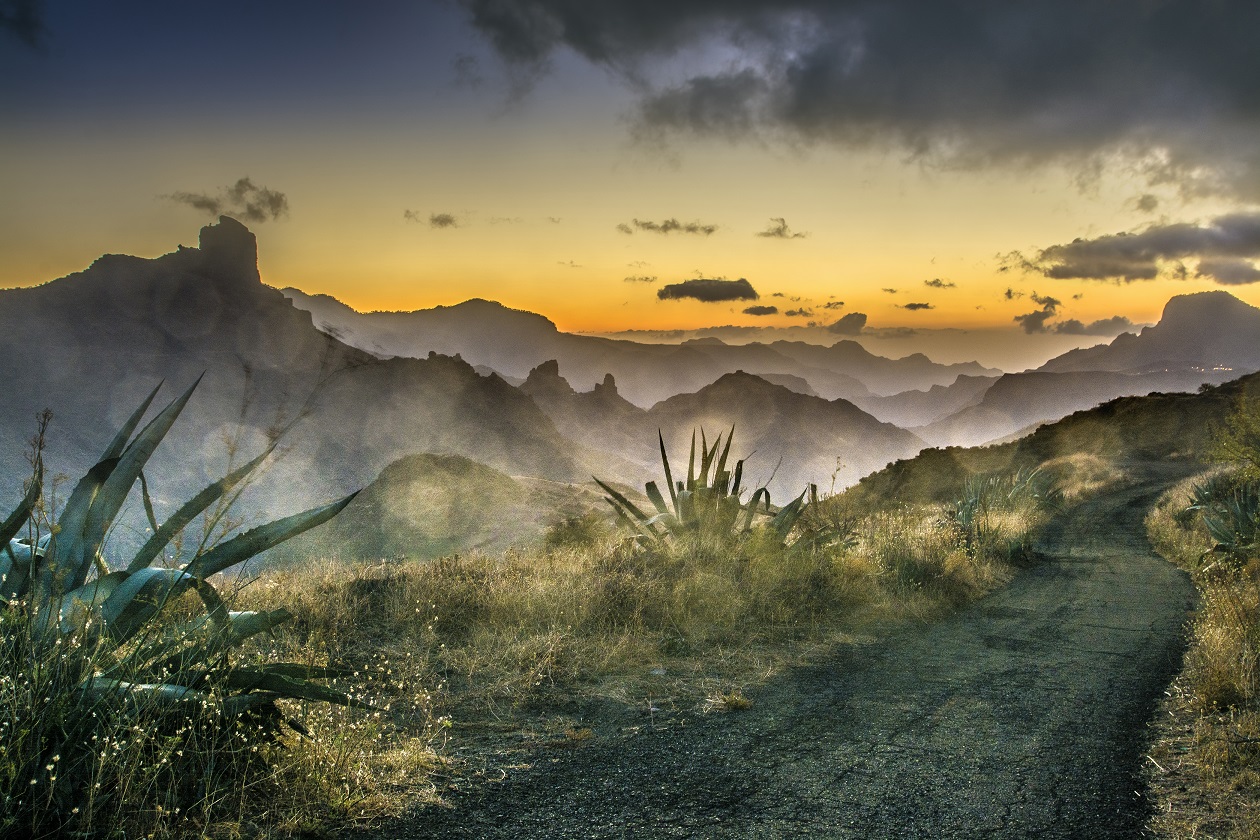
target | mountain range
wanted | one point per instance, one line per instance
(480, 394)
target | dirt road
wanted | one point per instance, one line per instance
(1022, 717)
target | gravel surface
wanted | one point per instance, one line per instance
(1023, 716)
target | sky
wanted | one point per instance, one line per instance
(991, 180)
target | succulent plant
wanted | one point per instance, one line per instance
(142, 656)
(708, 502)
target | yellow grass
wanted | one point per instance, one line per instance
(1205, 763)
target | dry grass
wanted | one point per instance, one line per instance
(1205, 765)
(479, 646)
(514, 646)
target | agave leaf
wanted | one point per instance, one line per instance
(669, 479)
(280, 685)
(256, 540)
(619, 500)
(73, 608)
(691, 463)
(141, 696)
(119, 443)
(138, 598)
(654, 494)
(148, 502)
(250, 623)
(721, 464)
(787, 515)
(65, 553)
(11, 525)
(109, 500)
(190, 510)
(750, 509)
(739, 474)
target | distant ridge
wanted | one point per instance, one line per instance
(513, 343)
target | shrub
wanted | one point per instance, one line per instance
(123, 691)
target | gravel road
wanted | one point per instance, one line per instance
(1023, 716)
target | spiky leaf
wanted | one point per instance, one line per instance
(257, 540)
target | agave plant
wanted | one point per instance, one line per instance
(142, 658)
(968, 515)
(708, 502)
(1232, 520)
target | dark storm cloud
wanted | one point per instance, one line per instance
(952, 81)
(915, 307)
(24, 19)
(938, 283)
(1224, 247)
(1036, 322)
(668, 226)
(762, 310)
(851, 324)
(709, 291)
(1106, 326)
(244, 200)
(1229, 272)
(778, 229)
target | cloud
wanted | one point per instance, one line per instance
(800, 313)
(896, 332)
(1106, 326)
(709, 291)
(1225, 247)
(1011, 294)
(889, 290)
(243, 200)
(1146, 203)
(1163, 88)
(762, 310)
(568, 263)
(938, 283)
(1036, 322)
(778, 229)
(833, 304)
(641, 278)
(1229, 272)
(443, 220)
(668, 226)
(915, 307)
(24, 19)
(851, 324)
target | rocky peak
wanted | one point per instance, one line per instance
(229, 251)
(607, 388)
(545, 380)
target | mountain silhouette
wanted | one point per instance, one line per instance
(1201, 331)
(91, 345)
(512, 343)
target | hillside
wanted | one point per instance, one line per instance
(1154, 427)
(427, 506)
(89, 346)
(1018, 401)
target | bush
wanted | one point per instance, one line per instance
(124, 698)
